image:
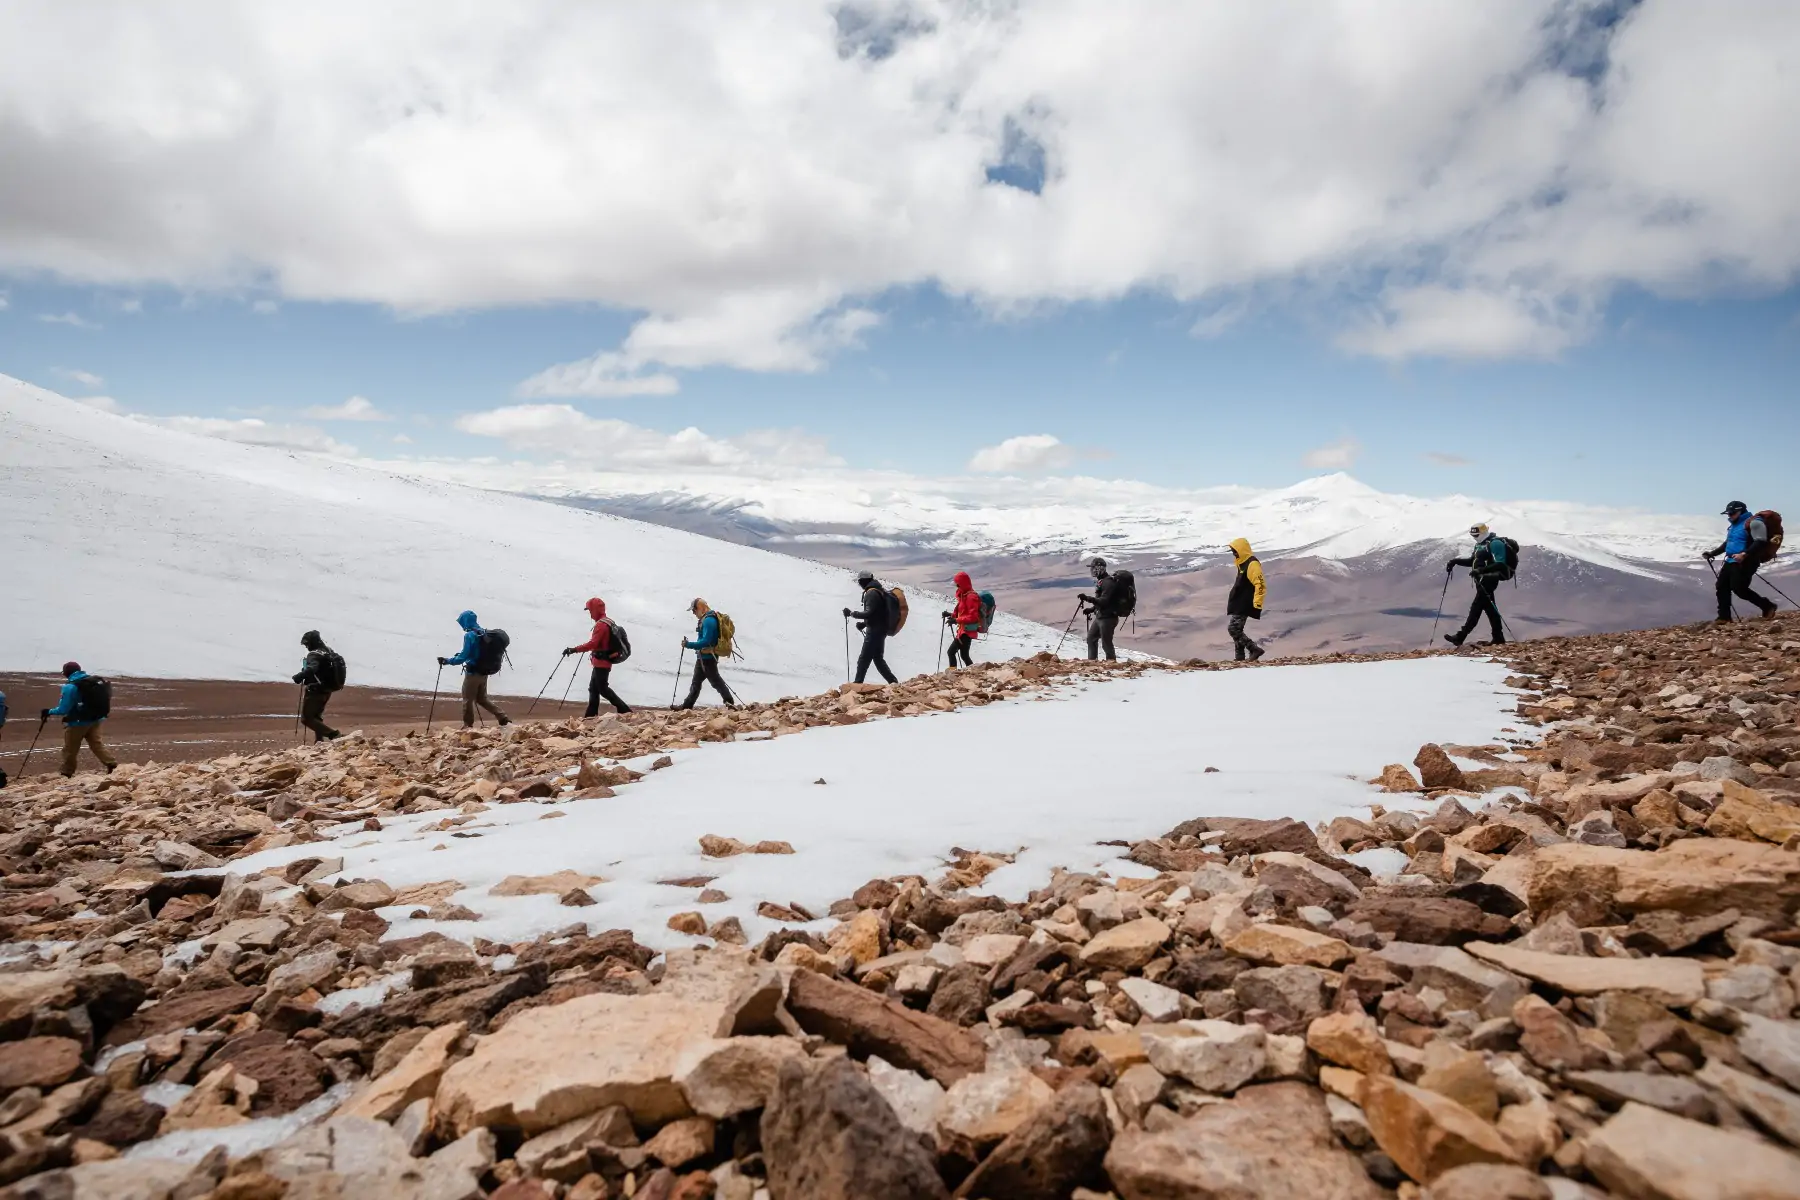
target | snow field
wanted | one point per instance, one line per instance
(1048, 777)
(147, 551)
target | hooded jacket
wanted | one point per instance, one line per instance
(967, 616)
(874, 614)
(69, 700)
(312, 668)
(600, 641)
(1246, 599)
(471, 646)
(1481, 562)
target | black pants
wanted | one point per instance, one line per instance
(1241, 640)
(312, 714)
(1734, 579)
(706, 670)
(598, 687)
(1484, 603)
(959, 645)
(1100, 634)
(873, 652)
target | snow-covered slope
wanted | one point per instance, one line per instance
(1052, 778)
(1333, 516)
(148, 551)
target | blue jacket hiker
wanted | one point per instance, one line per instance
(706, 644)
(475, 682)
(82, 709)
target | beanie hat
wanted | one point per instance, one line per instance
(71, 668)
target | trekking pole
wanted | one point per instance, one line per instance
(1440, 611)
(26, 765)
(301, 708)
(846, 647)
(570, 687)
(546, 687)
(677, 686)
(1779, 592)
(1730, 604)
(434, 691)
(1066, 629)
(940, 654)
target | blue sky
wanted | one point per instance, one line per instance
(1516, 248)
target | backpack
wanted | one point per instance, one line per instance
(727, 635)
(1124, 594)
(490, 652)
(897, 610)
(1772, 523)
(989, 606)
(2, 710)
(618, 646)
(93, 700)
(332, 671)
(1505, 553)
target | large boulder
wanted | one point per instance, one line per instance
(1695, 877)
(828, 1135)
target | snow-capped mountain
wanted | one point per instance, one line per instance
(1330, 517)
(143, 550)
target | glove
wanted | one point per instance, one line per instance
(1085, 598)
(44, 716)
(301, 678)
(569, 651)
(442, 661)
(860, 627)
(1450, 566)
(946, 615)
(846, 612)
(1709, 555)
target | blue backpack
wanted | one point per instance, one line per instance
(989, 606)
(2, 709)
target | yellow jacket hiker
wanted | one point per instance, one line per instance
(1246, 600)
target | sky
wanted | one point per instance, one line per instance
(1519, 248)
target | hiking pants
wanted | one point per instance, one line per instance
(1100, 634)
(873, 651)
(1484, 603)
(73, 736)
(1734, 579)
(474, 695)
(312, 714)
(1239, 639)
(706, 670)
(959, 645)
(598, 687)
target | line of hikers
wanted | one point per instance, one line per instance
(1751, 540)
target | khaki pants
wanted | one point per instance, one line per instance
(73, 736)
(474, 693)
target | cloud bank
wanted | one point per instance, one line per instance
(1471, 180)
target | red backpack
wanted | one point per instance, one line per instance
(1772, 523)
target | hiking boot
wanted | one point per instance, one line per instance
(1769, 610)
(1721, 620)
(506, 720)
(111, 767)
(1256, 652)
(1455, 639)
(1239, 656)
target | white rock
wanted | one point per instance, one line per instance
(1214, 1056)
(1159, 1004)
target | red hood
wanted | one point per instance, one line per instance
(964, 583)
(596, 608)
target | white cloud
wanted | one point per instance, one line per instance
(1443, 459)
(103, 403)
(265, 307)
(1340, 455)
(356, 408)
(131, 306)
(255, 431)
(572, 436)
(85, 378)
(1503, 166)
(4, 302)
(74, 320)
(1029, 452)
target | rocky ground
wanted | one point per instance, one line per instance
(1579, 982)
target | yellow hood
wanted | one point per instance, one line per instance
(1240, 549)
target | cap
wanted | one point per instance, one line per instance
(1478, 530)
(1098, 563)
(865, 577)
(70, 668)
(1734, 508)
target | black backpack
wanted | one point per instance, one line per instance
(1124, 594)
(332, 671)
(619, 646)
(1506, 562)
(2, 710)
(490, 652)
(93, 700)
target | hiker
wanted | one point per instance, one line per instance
(86, 701)
(964, 620)
(1488, 565)
(1104, 610)
(320, 674)
(706, 655)
(601, 658)
(1246, 600)
(1746, 547)
(873, 620)
(475, 671)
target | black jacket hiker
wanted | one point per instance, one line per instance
(1487, 574)
(873, 621)
(1103, 620)
(314, 672)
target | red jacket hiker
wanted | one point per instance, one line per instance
(601, 642)
(968, 607)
